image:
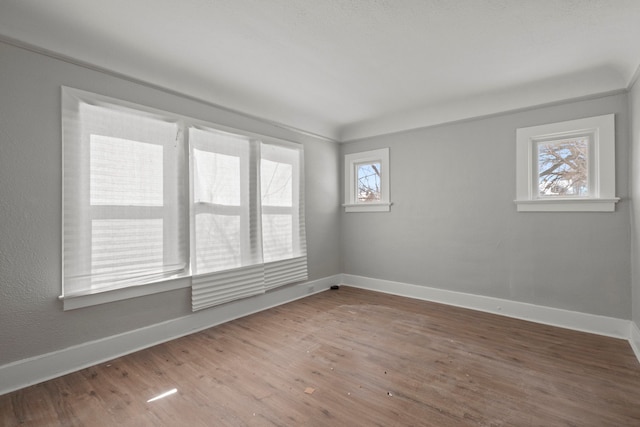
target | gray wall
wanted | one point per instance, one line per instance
(634, 107)
(31, 318)
(453, 224)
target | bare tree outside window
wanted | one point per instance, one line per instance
(563, 167)
(368, 182)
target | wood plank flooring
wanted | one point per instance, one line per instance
(364, 359)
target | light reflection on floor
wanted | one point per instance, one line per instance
(165, 394)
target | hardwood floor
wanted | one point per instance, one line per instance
(352, 358)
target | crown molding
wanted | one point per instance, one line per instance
(84, 64)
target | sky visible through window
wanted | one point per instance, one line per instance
(368, 182)
(563, 167)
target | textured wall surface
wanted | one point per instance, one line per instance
(634, 107)
(31, 317)
(453, 224)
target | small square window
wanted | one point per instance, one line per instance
(563, 167)
(367, 181)
(567, 166)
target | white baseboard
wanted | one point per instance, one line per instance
(26, 372)
(601, 325)
(634, 339)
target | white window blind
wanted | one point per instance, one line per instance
(226, 238)
(248, 231)
(123, 176)
(149, 195)
(283, 230)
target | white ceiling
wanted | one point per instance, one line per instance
(347, 69)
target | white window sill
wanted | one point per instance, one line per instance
(367, 207)
(71, 302)
(567, 205)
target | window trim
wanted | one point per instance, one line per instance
(351, 162)
(111, 295)
(601, 171)
(70, 101)
(185, 279)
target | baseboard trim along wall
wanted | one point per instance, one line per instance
(601, 325)
(26, 372)
(634, 339)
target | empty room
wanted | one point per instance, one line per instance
(320, 213)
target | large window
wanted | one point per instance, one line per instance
(567, 166)
(222, 210)
(280, 181)
(123, 180)
(128, 222)
(282, 201)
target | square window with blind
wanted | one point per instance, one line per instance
(150, 196)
